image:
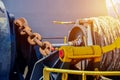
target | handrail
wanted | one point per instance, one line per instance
(46, 72)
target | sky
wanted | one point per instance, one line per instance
(41, 13)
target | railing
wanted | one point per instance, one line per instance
(47, 71)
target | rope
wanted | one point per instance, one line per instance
(105, 31)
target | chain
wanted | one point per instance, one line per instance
(33, 38)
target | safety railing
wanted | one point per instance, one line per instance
(65, 72)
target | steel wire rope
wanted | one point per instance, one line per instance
(106, 30)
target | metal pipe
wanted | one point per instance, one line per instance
(53, 38)
(83, 73)
(60, 44)
(105, 73)
(61, 22)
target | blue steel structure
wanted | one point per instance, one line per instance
(15, 52)
(7, 43)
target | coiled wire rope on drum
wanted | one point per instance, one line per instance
(105, 31)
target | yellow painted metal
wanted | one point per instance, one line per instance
(84, 56)
(83, 76)
(98, 52)
(115, 44)
(83, 73)
(65, 39)
(64, 76)
(46, 74)
(61, 22)
(71, 52)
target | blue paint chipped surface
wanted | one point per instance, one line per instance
(5, 44)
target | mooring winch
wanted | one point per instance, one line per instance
(100, 31)
(91, 46)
